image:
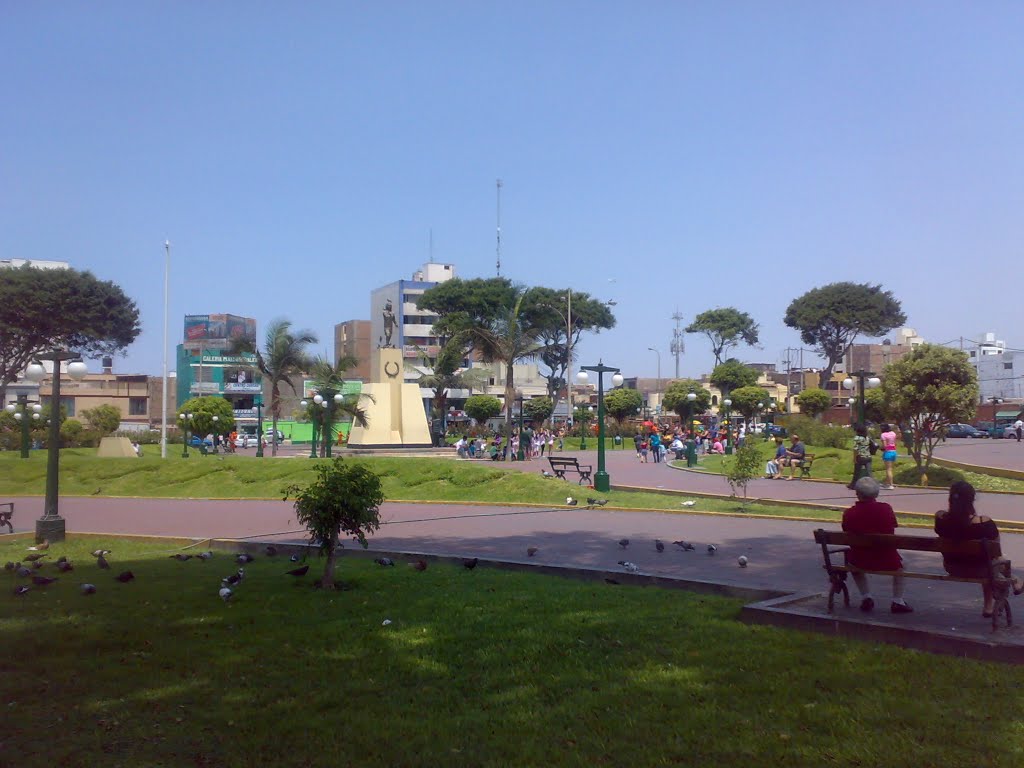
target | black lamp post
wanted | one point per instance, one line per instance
(185, 418)
(691, 439)
(259, 426)
(865, 383)
(317, 400)
(50, 526)
(602, 482)
(521, 453)
(24, 412)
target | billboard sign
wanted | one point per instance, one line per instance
(219, 329)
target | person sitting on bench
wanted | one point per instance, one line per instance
(795, 456)
(869, 515)
(772, 467)
(961, 523)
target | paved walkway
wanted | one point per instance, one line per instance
(1006, 454)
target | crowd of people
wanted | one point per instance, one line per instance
(534, 443)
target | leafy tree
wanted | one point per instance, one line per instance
(814, 401)
(103, 419)
(622, 403)
(725, 327)
(550, 309)
(284, 355)
(343, 498)
(71, 433)
(926, 391)
(203, 409)
(675, 398)
(732, 374)
(874, 406)
(447, 373)
(831, 317)
(328, 379)
(748, 400)
(538, 409)
(44, 309)
(745, 466)
(463, 304)
(480, 408)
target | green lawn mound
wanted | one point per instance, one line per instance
(457, 667)
(939, 477)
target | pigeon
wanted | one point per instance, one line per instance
(609, 580)
(531, 551)
(658, 545)
(87, 589)
(469, 565)
(688, 503)
(631, 567)
(101, 552)
(42, 581)
(101, 561)
(596, 502)
(545, 473)
(570, 501)
(23, 571)
(21, 590)
(64, 566)
(181, 558)
(712, 549)
(294, 558)
(225, 594)
(742, 560)
(9, 566)
(125, 576)
(234, 579)
(384, 561)
(35, 556)
(419, 565)
(298, 571)
(62, 559)
(205, 555)
(244, 558)
(685, 546)
(623, 543)
(270, 550)
(37, 564)
(40, 547)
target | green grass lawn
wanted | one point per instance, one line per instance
(837, 464)
(477, 668)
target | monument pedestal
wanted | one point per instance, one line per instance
(395, 415)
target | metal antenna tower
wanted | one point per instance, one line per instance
(678, 346)
(498, 250)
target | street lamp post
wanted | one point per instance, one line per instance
(317, 400)
(163, 416)
(658, 388)
(21, 413)
(185, 418)
(728, 426)
(216, 433)
(258, 402)
(867, 380)
(50, 526)
(691, 439)
(602, 482)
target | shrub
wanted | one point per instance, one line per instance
(815, 433)
(941, 477)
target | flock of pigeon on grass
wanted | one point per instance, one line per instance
(35, 562)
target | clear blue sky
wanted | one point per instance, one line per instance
(698, 154)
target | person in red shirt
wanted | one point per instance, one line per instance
(869, 515)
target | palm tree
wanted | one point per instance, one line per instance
(283, 355)
(509, 339)
(328, 379)
(447, 373)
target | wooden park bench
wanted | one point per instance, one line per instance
(6, 513)
(561, 464)
(805, 465)
(838, 542)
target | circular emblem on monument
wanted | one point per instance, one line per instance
(388, 366)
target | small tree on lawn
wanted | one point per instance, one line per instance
(745, 466)
(622, 404)
(538, 409)
(814, 401)
(344, 498)
(482, 407)
(748, 400)
(103, 419)
(928, 390)
(675, 399)
(203, 409)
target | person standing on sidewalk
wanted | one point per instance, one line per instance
(861, 454)
(1019, 426)
(869, 515)
(888, 438)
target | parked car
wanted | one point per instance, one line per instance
(196, 441)
(246, 441)
(777, 430)
(269, 437)
(1009, 432)
(964, 430)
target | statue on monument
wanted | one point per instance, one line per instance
(390, 321)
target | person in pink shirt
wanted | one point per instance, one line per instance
(888, 438)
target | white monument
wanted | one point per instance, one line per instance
(395, 415)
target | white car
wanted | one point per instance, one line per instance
(269, 437)
(1009, 432)
(246, 441)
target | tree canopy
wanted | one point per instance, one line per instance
(482, 407)
(814, 401)
(203, 409)
(748, 400)
(675, 397)
(831, 317)
(622, 403)
(732, 374)
(463, 304)
(926, 391)
(43, 309)
(725, 328)
(103, 419)
(538, 409)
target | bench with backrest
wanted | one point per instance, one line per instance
(561, 464)
(6, 513)
(838, 543)
(805, 465)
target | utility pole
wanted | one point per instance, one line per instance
(678, 346)
(499, 228)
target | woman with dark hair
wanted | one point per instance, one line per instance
(961, 523)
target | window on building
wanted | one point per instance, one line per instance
(138, 406)
(1008, 366)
